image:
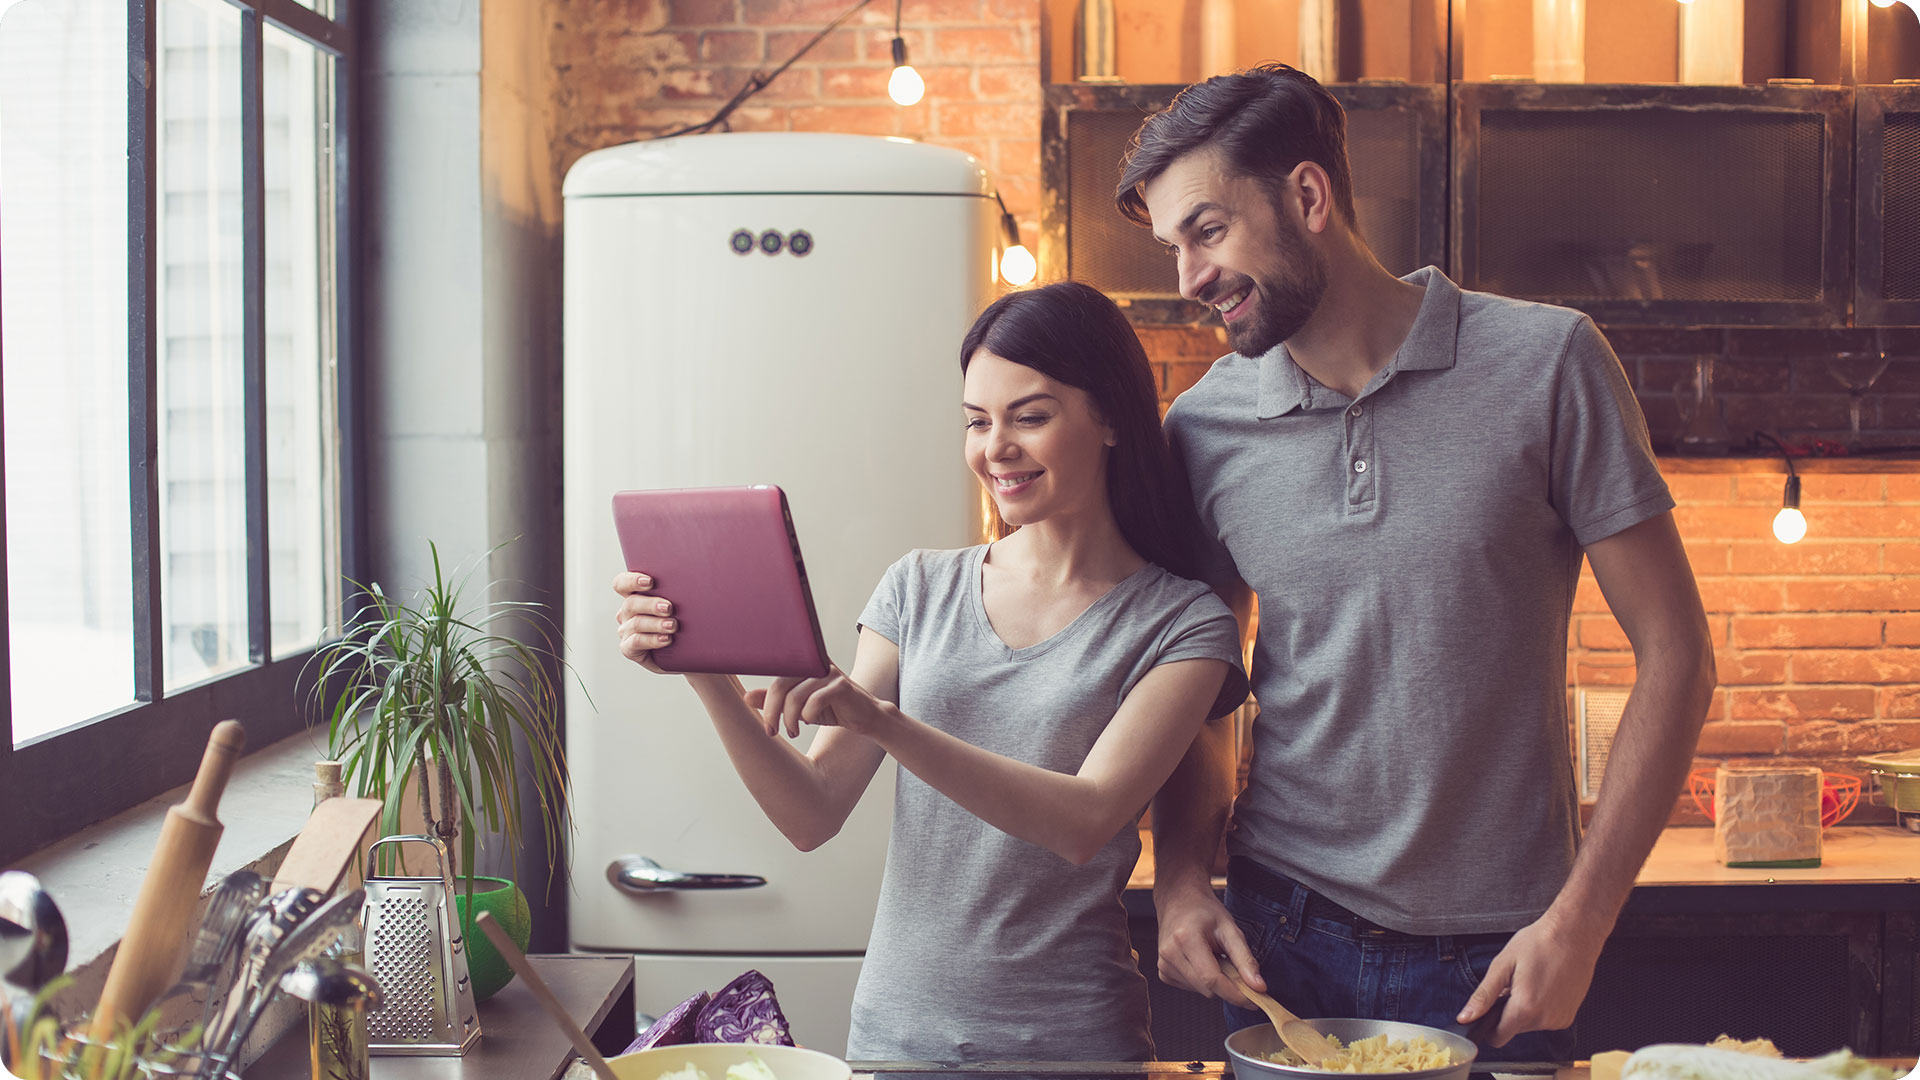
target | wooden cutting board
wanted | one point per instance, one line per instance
(327, 846)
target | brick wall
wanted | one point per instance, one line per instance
(1817, 643)
(630, 69)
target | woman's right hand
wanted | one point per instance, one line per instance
(644, 620)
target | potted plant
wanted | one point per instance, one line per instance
(436, 691)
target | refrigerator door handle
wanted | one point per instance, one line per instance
(638, 875)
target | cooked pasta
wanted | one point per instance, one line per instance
(1376, 1054)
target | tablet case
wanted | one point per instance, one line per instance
(729, 561)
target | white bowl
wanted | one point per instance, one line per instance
(787, 1062)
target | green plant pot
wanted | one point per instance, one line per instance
(508, 905)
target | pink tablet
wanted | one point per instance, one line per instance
(730, 562)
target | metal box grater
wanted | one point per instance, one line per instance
(415, 949)
(1596, 716)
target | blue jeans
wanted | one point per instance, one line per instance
(1319, 961)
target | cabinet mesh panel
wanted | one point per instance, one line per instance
(1114, 255)
(1651, 204)
(1691, 989)
(1105, 250)
(1900, 258)
(1383, 146)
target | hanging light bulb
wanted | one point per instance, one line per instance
(1017, 265)
(1790, 525)
(1914, 4)
(905, 86)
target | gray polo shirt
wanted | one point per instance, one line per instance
(1415, 552)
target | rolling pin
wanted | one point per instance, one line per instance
(150, 954)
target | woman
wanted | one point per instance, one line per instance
(1036, 692)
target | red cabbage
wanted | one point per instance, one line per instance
(674, 1028)
(743, 1011)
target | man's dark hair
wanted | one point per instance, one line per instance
(1264, 121)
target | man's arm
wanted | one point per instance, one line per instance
(1548, 966)
(1189, 818)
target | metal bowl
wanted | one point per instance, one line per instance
(1249, 1048)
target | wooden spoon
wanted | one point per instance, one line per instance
(518, 961)
(1299, 1036)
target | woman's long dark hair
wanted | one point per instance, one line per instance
(1073, 334)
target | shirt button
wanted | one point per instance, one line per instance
(1359, 466)
(1355, 411)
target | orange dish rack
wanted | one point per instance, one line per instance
(1839, 794)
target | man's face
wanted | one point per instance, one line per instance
(1238, 252)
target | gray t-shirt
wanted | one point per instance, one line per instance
(1415, 552)
(986, 947)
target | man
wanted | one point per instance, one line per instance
(1407, 476)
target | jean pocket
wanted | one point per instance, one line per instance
(1473, 959)
(1256, 923)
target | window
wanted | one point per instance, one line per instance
(177, 475)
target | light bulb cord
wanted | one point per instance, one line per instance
(760, 80)
(1791, 496)
(1011, 226)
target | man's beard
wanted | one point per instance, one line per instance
(1283, 304)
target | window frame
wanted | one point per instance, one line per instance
(54, 785)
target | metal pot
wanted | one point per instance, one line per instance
(1249, 1048)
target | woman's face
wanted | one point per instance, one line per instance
(1034, 443)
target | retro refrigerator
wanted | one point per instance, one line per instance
(758, 308)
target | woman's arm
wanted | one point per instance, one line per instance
(1073, 816)
(808, 795)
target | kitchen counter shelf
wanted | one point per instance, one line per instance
(1740, 464)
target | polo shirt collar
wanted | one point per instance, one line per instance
(1430, 345)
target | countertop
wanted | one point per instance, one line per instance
(1190, 1070)
(1852, 855)
(518, 1041)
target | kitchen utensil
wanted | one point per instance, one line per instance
(266, 927)
(327, 981)
(1703, 417)
(33, 936)
(415, 949)
(222, 924)
(1249, 1049)
(1896, 783)
(305, 940)
(339, 994)
(1839, 795)
(33, 946)
(518, 960)
(327, 844)
(1480, 1030)
(151, 951)
(1312, 1046)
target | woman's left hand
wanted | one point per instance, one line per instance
(832, 700)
